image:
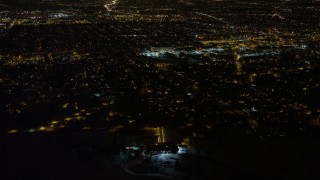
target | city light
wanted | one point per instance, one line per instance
(111, 87)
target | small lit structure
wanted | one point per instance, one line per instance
(162, 148)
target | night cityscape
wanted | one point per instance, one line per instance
(160, 89)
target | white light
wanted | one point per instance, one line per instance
(31, 130)
(254, 109)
